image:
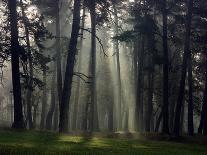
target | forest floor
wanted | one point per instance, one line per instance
(42, 143)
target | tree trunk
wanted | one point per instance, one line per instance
(35, 112)
(157, 126)
(77, 92)
(139, 97)
(52, 106)
(190, 95)
(203, 122)
(44, 100)
(119, 85)
(94, 113)
(150, 100)
(30, 81)
(55, 118)
(58, 53)
(66, 93)
(165, 127)
(184, 69)
(15, 52)
(151, 69)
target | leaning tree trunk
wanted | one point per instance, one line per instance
(190, 97)
(184, 69)
(44, 100)
(77, 92)
(66, 93)
(94, 113)
(53, 104)
(165, 127)
(15, 54)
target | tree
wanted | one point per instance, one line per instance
(118, 68)
(44, 98)
(94, 113)
(80, 54)
(30, 79)
(186, 55)
(15, 54)
(165, 126)
(190, 100)
(66, 93)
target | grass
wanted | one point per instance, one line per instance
(39, 143)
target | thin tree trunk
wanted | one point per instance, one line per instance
(190, 95)
(66, 93)
(151, 69)
(94, 113)
(15, 52)
(119, 85)
(35, 112)
(55, 118)
(184, 69)
(203, 122)
(52, 106)
(150, 100)
(139, 100)
(165, 127)
(77, 93)
(30, 81)
(157, 126)
(44, 100)
(58, 53)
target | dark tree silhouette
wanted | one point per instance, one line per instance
(15, 55)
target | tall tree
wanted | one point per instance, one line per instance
(66, 93)
(30, 78)
(190, 98)
(51, 111)
(58, 52)
(186, 55)
(15, 55)
(118, 68)
(77, 92)
(44, 98)
(94, 114)
(165, 127)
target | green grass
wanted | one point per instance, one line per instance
(32, 143)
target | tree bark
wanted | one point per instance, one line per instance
(66, 93)
(184, 69)
(15, 53)
(165, 127)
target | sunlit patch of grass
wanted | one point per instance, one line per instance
(75, 139)
(39, 143)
